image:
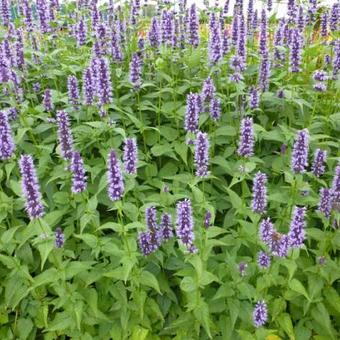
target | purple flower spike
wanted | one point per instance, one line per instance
(144, 242)
(64, 134)
(266, 231)
(215, 40)
(59, 238)
(136, 70)
(242, 267)
(202, 154)
(4, 10)
(193, 26)
(279, 244)
(192, 113)
(259, 202)
(336, 188)
(12, 113)
(207, 219)
(299, 160)
(42, 12)
(318, 166)
(297, 228)
(103, 78)
(263, 260)
(73, 90)
(166, 227)
(208, 90)
(47, 100)
(154, 33)
(114, 177)
(151, 218)
(184, 223)
(320, 87)
(88, 87)
(320, 75)
(30, 187)
(246, 145)
(254, 98)
(295, 51)
(130, 156)
(215, 109)
(325, 204)
(27, 11)
(81, 31)
(78, 173)
(260, 314)
(335, 16)
(7, 145)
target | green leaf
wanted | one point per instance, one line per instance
(226, 130)
(61, 322)
(24, 327)
(188, 284)
(286, 324)
(297, 286)
(45, 248)
(148, 279)
(201, 313)
(235, 199)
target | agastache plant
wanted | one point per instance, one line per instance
(103, 81)
(215, 109)
(130, 156)
(246, 144)
(202, 154)
(78, 173)
(299, 161)
(47, 100)
(185, 223)
(318, 166)
(297, 228)
(65, 134)
(73, 90)
(192, 113)
(260, 314)
(30, 187)
(136, 70)
(325, 203)
(193, 26)
(263, 260)
(259, 203)
(114, 177)
(166, 227)
(7, 146)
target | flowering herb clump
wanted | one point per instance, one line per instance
(169, 169)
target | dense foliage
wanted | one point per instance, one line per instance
(169, 172)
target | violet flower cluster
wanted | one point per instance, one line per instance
(260, 314)
(192, 113)
(259, 203)
(78, 173)
(156, 234)
(202, 154)
(130, 156)
(64, 134)
(7, 146)
(185, 224)
(30, 187)
(59, 238)
(136, 70)
(299, 161)
(114, 177)
(296, 232)
(246, 144)
(318, 166)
